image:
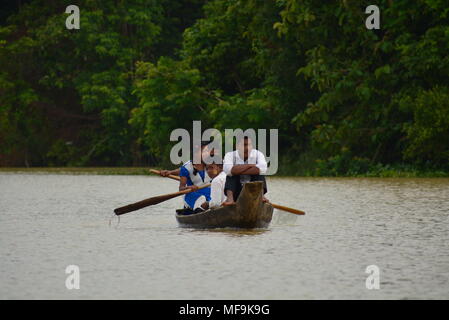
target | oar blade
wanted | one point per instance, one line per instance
(145, 203)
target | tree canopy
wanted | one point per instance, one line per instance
(344, 98)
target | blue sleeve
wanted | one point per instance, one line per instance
(202, 174)
(184, 172)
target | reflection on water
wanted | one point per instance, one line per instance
(283, 218)
(231, 232)
(48, 222)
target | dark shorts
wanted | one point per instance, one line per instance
(233, 183)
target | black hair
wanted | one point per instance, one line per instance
(243, 138)
(203, 144)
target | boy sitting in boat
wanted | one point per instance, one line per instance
(217, 195)
(243, 165)
(194, 176)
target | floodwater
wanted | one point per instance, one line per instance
(48, 222)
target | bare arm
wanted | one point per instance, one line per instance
(205, 205)
(183, 185)
(239, 169)
(166, 173)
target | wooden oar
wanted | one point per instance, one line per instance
(169, 176)
(279, 207)
(291, 210)
(153, 200)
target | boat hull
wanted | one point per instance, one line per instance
(248, 212)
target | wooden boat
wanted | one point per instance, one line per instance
(248, 212)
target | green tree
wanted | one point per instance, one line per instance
(77, 83)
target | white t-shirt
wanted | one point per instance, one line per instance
(217, 196)
(255, 157)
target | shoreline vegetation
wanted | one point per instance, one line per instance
(381, 172)
(346, 100)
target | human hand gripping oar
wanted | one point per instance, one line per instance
(279, 207)
(154, 200)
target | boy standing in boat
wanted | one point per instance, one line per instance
(243, 165)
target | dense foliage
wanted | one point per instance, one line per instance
(346, 100)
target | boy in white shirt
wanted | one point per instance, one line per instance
(217, 195)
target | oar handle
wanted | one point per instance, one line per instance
(169, 176)
(199, 188)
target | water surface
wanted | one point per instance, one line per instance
(48, 222)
